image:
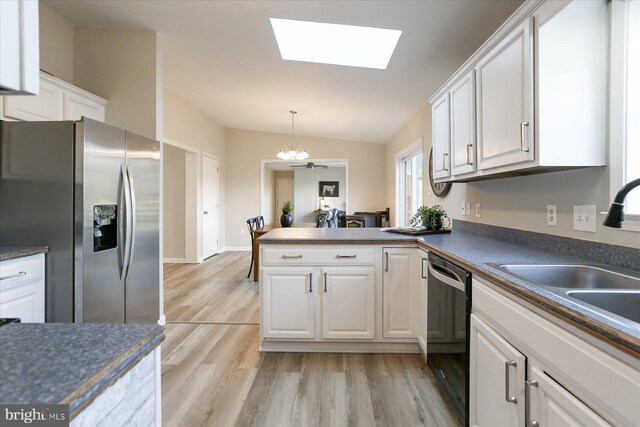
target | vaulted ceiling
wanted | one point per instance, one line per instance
(222, 57)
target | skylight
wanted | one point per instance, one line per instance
(335, 44)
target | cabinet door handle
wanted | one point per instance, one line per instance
(325, 282)
(507, 395)
(291, 256)
(524, 139)
(346, 256)
(386, 261)
(422, 268)
(444, 161)
(21, 273)
(469, 154)
(310, 282)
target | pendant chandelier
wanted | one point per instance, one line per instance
(292, 152)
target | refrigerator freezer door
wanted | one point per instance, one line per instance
(142, 282)
(100, 297)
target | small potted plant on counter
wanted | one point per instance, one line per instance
(429, 217)
(286, 220)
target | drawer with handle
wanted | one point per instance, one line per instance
(21, 270)
(306, 255)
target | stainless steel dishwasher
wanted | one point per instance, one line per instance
(448, 317)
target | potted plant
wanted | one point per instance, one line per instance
(286, 220)
(430, 217)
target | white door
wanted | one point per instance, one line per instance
(348, 302)
(399, 293)
(504, 101)
(422, 302)
(496, 379)
(441, 137)
(463, 125)
(284, 192)
(288, 305)
(210, 206)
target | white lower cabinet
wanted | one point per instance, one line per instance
(497, 372)
(399, 293)
(22, 289)
(551, 405)
(422, 328)
(348, 303)
(289, 302)
(528, 370)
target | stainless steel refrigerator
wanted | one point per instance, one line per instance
(91, 192)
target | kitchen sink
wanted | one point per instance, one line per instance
(571, 276)
(623, 303)
(610, 291)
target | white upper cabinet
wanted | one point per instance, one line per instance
(463, 125)
(57, 100)
(19, 47)
(441, 141)
(540, 96)
(505, 90)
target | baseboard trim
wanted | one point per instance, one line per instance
(174, 260)
(340, 347)
(236, 249)
(162, 321)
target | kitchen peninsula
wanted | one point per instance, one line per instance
(364, 290)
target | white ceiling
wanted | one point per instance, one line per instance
(222, 57)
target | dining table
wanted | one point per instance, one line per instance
(256, 252)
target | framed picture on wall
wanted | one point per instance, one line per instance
(329, 189)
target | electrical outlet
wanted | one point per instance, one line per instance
(584, 218)
(552, 215)
(478, 210)
(467, 208)
(463, 207)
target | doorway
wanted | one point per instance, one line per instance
(284, 192)
(210, 206)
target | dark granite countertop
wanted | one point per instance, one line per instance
(359, 236)
(11, 252)
(68, 363)
(473, 251)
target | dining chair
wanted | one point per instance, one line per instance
(252, 224)
(333, 222)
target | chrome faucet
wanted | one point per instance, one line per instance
(616, 211)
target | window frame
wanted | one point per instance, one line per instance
(618, 106)
(412, 150)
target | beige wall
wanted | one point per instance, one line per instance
(520, 202)
(174, 173)
(124, 67)
(186, 125)
(306, 190)
(56, 44)
(246, 149)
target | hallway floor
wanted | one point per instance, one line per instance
(213, 374)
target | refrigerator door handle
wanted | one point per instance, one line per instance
(131, 234)
(126, 257)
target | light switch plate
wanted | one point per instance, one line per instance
(468, 208)
(478, 210)
(552, 215)
(584, 218)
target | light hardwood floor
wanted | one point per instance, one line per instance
(213, 374)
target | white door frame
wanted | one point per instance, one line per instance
(192, 196)
(201, 193)
(263, 164)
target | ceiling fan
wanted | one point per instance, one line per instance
(309, 165)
